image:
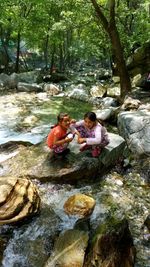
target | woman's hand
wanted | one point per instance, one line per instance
(81, 140)
(68, 140)
(72, 121)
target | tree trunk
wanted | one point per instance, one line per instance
(18, 52)
(5, 40)
(69, 57)
(111, 29)
(61, 58)
(7, 59)
(46, 51)
(125, 83)
(53, 59)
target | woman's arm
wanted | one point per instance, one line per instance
(74, 125)
(98, 136)
(58, 142)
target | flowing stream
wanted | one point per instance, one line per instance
(27, 117)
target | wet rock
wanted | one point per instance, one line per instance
(79, 204)
(69, 249)
(112, 246)
(18, 199)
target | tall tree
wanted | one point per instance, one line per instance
(109, 24)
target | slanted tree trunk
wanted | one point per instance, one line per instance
(120, 61)
(111, 29)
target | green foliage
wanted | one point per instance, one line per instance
(71, 26)
(133, 21)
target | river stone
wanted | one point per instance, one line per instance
(18, 199)
(69, 249)
(98, 90)
(79, 204)
(131, 104)
(112, 245)
(51, 89)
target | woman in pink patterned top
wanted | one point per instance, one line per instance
(92, 134)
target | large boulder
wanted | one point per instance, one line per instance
(24, 81)
(19, 199)
(36, 162)
(27, 87)
(134, 126)
(28, 77)
(79, 92)
(8, 82)
(112, 245)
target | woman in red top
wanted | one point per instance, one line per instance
(58, 139)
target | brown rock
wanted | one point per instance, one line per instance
(69, 249)
(18, 199)
(79, 204)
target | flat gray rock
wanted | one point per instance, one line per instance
(36, 162)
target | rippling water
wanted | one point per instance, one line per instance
(28, 117)
(119, 193)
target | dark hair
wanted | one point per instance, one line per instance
(90, 115)
(61, 116)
